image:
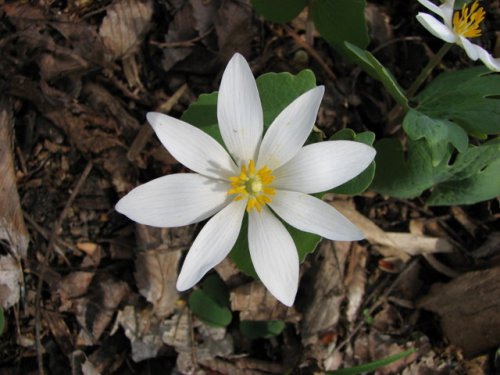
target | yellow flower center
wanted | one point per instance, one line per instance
(253, 185)
(466, 21)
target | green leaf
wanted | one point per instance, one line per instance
(277, 10)
(277, 90)
(203, 114)
(437, 132)
(475, 178)
(376, 70)
(261, 329)
(2, 321)
(399, 175)
(469, 98)
(361, 182)
(372, 366)
(471, 178)
(341, 20)
(210, 303)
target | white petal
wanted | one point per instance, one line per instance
(437, 28)
(471, 49)
(212, 244)
(192, 147)
(175, 200)
(290, 129)
(274, 255)
(432, 7)
(488, 60)
(323, 166)
(447, 9)
(310, 214)
(239, 110)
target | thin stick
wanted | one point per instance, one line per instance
(311, 52)
(53, 238)
(146, 131)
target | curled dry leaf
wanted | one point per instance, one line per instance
(11, 278)
(95, 311)
(12, 228)
(468, 307)
(156, 276)
(143, 329)
(356, 280)
(390, 244)
(124, 26)
(327, 292)
(255, 303)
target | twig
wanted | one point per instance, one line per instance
(386, 293)
(53, 238)
(296, 37)
(181, 43)
(146, 131)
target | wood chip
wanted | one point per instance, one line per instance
(468, 307)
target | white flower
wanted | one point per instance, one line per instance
(457, 27)
(265, 177)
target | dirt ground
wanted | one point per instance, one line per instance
(87, 291)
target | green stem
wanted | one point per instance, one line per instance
(433, 62)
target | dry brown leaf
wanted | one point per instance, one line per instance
(255, 303)
(124, 26)
(95, 311)
(327, 292)
(182, 28)
(355, 280)
(12, 228)
(468, 307)
(233, 26)
(72, 286)
(143, 329)
(177, 332)
(414, 244)
(11, 278)
(401, 245)
(156, 276)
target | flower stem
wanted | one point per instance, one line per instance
(433, 62)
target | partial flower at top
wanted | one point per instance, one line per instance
(263, 177)
(457, 27)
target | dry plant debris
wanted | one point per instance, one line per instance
(84, 291)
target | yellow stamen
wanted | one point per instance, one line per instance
(253, 185)
(466, 21)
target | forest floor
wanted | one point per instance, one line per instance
(87, 291)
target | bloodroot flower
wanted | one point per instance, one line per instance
(457, 27)
(264, 177)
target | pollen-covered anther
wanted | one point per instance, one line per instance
(253, 185)
(467, 21)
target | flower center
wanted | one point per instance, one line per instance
(466, 21)
(253, 185)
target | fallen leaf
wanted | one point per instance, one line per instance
(468, 306)
(355, 280)
(12, 228)
(124, 26)
(326, 291)
(255, 303)
(143, 329)
(156, 275)
(95, 311)
(11, 278)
